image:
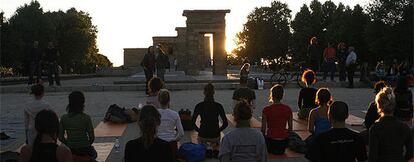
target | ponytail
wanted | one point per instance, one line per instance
(385, 101)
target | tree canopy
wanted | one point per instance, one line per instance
(72, 32)
(384, 30)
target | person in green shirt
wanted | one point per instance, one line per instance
(78, 127)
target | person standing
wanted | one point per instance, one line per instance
(329, 62)
(162, 62)
(351, 66)
(314, 54)
(35, 58)
(52, 55)
(339, 143)
(341, 55)
(363, 59)
(244, 71)
(176, 64)
(148, 63)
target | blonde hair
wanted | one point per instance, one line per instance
(164, 97)
(385, 101)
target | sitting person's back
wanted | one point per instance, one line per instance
(307, 95)
(339, 143)
(244, 93)
(154, 86)
(148, 147)
(318, 118)
(389, 139)
(31, 111)
(78, 127)
(44, 148)
(275, 117)
(243, 143)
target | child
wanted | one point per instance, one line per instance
(31, 111)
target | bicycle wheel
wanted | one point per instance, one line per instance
(278, 78)
(299, 79)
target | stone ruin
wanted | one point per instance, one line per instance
(191, 47)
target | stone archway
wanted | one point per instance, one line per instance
(200, 22)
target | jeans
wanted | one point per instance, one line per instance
(35, 68)
(364, 71)
(342, 72)
(148, 75)
(351, 70)
(53, 70)
(329, 66)
(161, 73)
(314, 65)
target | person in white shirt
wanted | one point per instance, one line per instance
(31, 111)
(351, 66)
(170, 129)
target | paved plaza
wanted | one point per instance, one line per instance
(12, 105)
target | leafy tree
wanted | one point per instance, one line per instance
(265, 32)
(72, 31)
(302, 31)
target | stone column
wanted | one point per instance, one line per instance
(219, 54)
(192, 44)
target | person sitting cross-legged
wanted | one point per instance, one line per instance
(209, 131)
(339, 143)
(274, 120)
(170, 129)
(243, 143)
(155, 84)
(389, 138)
(318, 118)
(307, 95)
(148, 147)
(244, 93)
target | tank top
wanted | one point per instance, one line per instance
(44, 152)
(322, 124)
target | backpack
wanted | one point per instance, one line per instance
(296, 143)
(186, 119)
(192, 152)
(116, 114)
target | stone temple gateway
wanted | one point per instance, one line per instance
(191, 47)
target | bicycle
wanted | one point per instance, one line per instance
(283, 75)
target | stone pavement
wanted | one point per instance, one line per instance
(12, 105)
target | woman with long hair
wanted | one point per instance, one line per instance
(209, 111)
(244, 71)
(45, 148)
(148, 147)
(78, 127)
(389, 139)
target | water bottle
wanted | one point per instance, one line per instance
(117, 145)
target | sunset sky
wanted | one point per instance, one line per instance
(133, 23)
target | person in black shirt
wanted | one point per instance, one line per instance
(314, 54)
(307, 95)
(35, 58)
(148, 63)
(244, 93)
(342, 53)
(209, 111)
(339, 144)
(148, 147)
(389, 139)
(51, 59)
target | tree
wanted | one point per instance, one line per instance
(389, 34)
(265, 32)
(72, 31)
(302, 31)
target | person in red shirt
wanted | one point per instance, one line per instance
(329, 61)
(275, 117)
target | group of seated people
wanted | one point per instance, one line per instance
(388, 122)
